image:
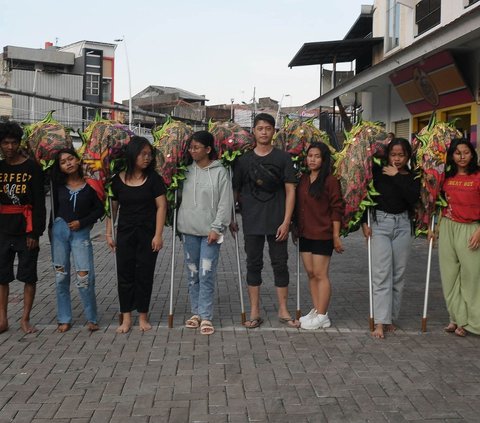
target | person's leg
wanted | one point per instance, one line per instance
(449, 271)
(382, 231)
(401, 247)
(4, 292)
(28, 298)
(82, 252)
(191, 252)
(321, 281)
(469, 279)
(125, 253)
(307, 259)
(144, 272)
(27, 273)
(207, 276)
(278, 252)
(7, 257)
(61, 248)
(254, 251)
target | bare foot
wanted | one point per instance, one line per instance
(27, 327)
(124, 327)
(3, 326)
(144, 325)
(378, 332)
(451, 327)
(460, 332)
(63, 327)
(390, 327)
(93, 327)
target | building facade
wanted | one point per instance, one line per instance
(421, 56)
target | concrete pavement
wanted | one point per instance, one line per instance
(270, 374)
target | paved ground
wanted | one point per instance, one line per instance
(271, 374)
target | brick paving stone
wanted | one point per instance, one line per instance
(270, 374)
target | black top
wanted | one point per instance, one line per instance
(398, 193)
(137, 204)
(22, 184)
(262, 211)
(82, 205)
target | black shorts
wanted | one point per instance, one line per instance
(321, 247)
(11, 245)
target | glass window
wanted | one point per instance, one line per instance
(393, 25)
(427, 15)
(92, 84)
(107, 90)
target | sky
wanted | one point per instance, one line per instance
(221, 49)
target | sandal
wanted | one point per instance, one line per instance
(253, 323)
(193, 322)
(206, 327)
(460, 332)
(93, 327)
(290, 322)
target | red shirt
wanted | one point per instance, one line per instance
(315, 216)
(462, 193)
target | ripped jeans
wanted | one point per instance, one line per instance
(201, 261)
(78, 243)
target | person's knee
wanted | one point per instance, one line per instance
(59, 269)
(82, 279)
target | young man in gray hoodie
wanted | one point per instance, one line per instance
(203, 216)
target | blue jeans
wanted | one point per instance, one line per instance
(78, 243)
(201, 260)
(391, 244)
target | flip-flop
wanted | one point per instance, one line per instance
(289, 321)
(253, 323)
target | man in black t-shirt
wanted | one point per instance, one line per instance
(22, 221)
(264, 185)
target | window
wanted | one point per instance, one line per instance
(106, 89)
(92, 84)
(393, 25)
(427, 15)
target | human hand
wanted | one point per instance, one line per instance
(389, 170)
(32, 243)
(111, 242)
(157, 243)
(233, 228)
(337, 245)
(74, 225)
(213, 237)
(282, 232)
(367, 230)
(474, 241)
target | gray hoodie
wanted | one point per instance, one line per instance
(207, 200)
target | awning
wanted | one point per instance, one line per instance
(323, 52)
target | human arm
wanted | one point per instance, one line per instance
(39, 212)
(96, 209)
(337, 241)
(160, 215)
(109, 225)
(283, 229)
(407, 184)
(224, 207)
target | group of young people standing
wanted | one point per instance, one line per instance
(272, 203)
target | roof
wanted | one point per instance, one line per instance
(323, 52)
(183, 94)
(362, 27)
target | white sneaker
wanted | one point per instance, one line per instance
(311, 314)
(318, 322)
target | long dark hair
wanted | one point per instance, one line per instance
(58, 177)
(451, 165)
(406, 147)
(317, 186)
(133, 150)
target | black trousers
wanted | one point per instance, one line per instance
(278, 252)
(135, 268)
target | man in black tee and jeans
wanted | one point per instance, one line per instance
(22, 221)
(264, 185)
